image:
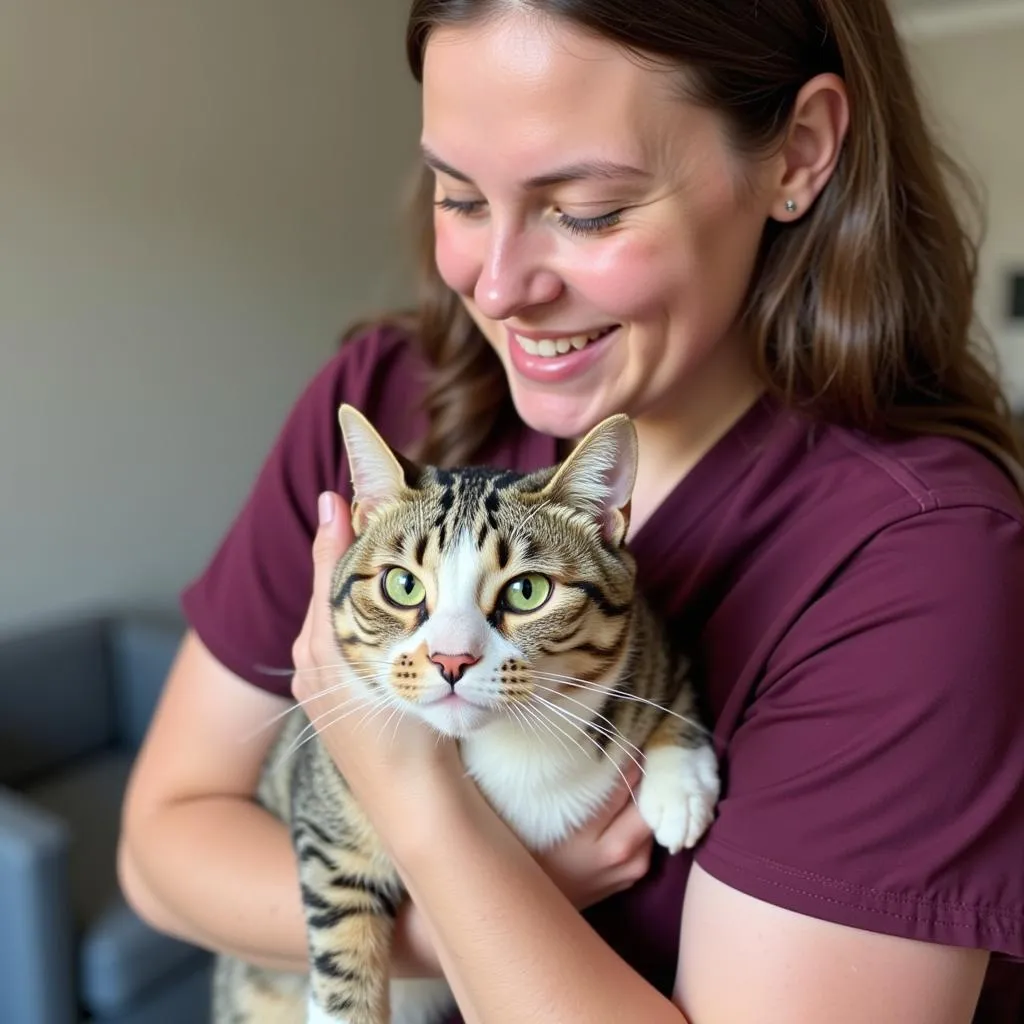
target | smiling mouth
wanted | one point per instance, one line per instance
(548, 348)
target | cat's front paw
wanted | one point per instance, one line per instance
(678, 794)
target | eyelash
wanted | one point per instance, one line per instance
(580, 226)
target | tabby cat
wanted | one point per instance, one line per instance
(501, 609)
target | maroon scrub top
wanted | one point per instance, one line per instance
(856, 612)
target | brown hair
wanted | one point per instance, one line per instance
(862, 311)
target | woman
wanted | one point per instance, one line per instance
(725, 219)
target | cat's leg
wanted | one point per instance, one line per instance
(350, 901)
(680, 785)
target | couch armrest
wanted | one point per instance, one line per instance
(36, 930)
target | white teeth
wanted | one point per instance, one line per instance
(548, 347)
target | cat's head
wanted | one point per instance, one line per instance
(473, 594)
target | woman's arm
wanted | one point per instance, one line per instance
(198, 858)
(798, 970)
(514, 949)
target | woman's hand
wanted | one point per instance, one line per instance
(608, 854)
(388, 760)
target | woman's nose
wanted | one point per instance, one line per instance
(513, 277)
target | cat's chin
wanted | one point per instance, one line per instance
(454, 717)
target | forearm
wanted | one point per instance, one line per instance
(221, 873)
(515, 951)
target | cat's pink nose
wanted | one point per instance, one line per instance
(453, 666)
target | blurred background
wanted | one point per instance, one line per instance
(196, 197)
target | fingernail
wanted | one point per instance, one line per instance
(325, 508)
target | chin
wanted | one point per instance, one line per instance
(558, 413)
(458, 722)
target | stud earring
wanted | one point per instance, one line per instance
(791, 206)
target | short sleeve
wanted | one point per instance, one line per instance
(876, 777)
(248, 604)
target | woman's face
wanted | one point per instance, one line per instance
(599, 229)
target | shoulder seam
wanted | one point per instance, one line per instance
(903, 479)
(927, 498)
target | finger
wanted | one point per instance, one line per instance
(333, 536)
(627, 833)
(621, 795)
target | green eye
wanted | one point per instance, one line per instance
(403, 589)
(527, 593)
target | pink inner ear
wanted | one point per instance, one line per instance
(615, 522)
(620, 482)
(615, 508)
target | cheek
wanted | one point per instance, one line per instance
(634, 276)
(456, 255)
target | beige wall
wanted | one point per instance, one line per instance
(195, 196)
(973, 82)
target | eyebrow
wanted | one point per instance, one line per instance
(602, 169)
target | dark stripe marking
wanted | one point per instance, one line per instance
(341, 594)
(594, 592)
(385, 897)
(327, 965)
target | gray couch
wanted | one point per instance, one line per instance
(74, 703)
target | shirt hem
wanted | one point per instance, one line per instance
(900, 914)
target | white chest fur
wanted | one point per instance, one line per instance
(542, 787)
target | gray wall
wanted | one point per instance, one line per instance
(195, 197)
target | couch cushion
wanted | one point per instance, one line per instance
(123, 961)
(119, 956)
(141, 651)
(56, 698)
(184, 999)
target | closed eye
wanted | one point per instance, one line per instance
(579, 226)
(466, 207)
(589, 225)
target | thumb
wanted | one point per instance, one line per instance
(333, 536)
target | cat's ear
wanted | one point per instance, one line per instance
(598, 476)
(379, 475)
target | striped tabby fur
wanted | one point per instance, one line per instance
(527, 577)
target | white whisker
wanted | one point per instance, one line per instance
(554, 728)
(611, 724)
(562, 713)
(310, 730)
(612, 734)
(296, 705)
(535, 715)
(616, 694)
(520, 719)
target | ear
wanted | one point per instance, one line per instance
(598, 477)
(378, 475)
(812, 147)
